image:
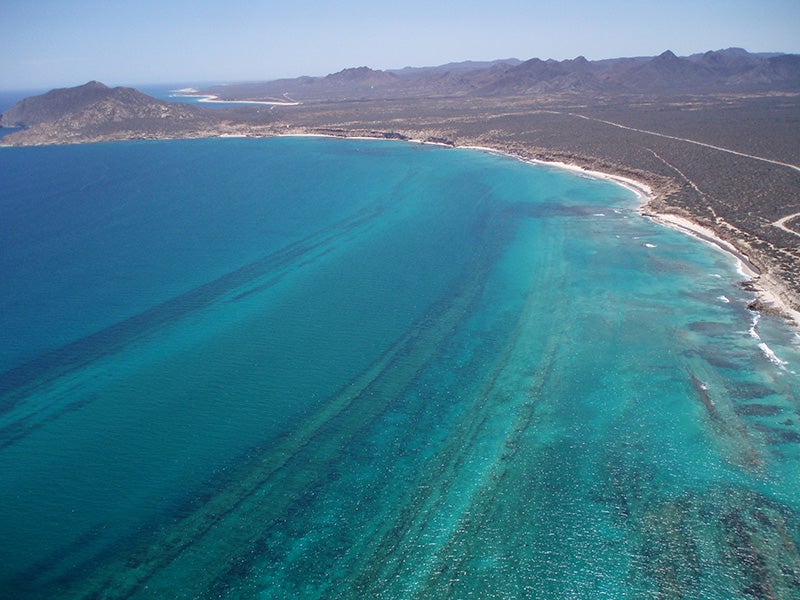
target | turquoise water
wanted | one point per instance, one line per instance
(316, 368)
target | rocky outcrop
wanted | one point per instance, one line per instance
(54, 105)
(361, 76)
(94, 112)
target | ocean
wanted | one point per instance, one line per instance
(321, 368)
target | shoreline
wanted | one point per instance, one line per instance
(211, 98)
(773, 297)
(768, 291)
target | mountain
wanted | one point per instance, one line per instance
(94, 111)
(727, 62)
(361, 76)
(783, 70)
(667, 72)
(465, 66)
(347, 84)
(53, 105)
(543, 76)
(728, 70)
(90, 100)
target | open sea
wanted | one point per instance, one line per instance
(319, 368)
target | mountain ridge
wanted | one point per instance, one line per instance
(726, 70)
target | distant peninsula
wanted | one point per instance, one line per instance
(713, 135)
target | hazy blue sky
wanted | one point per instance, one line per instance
(51, 43)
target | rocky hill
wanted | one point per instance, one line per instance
(53, 105)
(733, 70)
(94, 111)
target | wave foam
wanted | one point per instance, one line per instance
(768, 352)
(772, 357)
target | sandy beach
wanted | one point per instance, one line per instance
(769, 291)
(210, 98)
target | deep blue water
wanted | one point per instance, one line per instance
(316, 368)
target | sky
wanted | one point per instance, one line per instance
(58, 43)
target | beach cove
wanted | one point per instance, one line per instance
(310, 367)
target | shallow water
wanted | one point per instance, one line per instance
(341, 369)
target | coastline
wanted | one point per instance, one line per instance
(773, 296)
(211, 98)
(769, 292)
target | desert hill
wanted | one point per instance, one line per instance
(732, 70)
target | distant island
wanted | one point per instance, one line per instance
(713, 135)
